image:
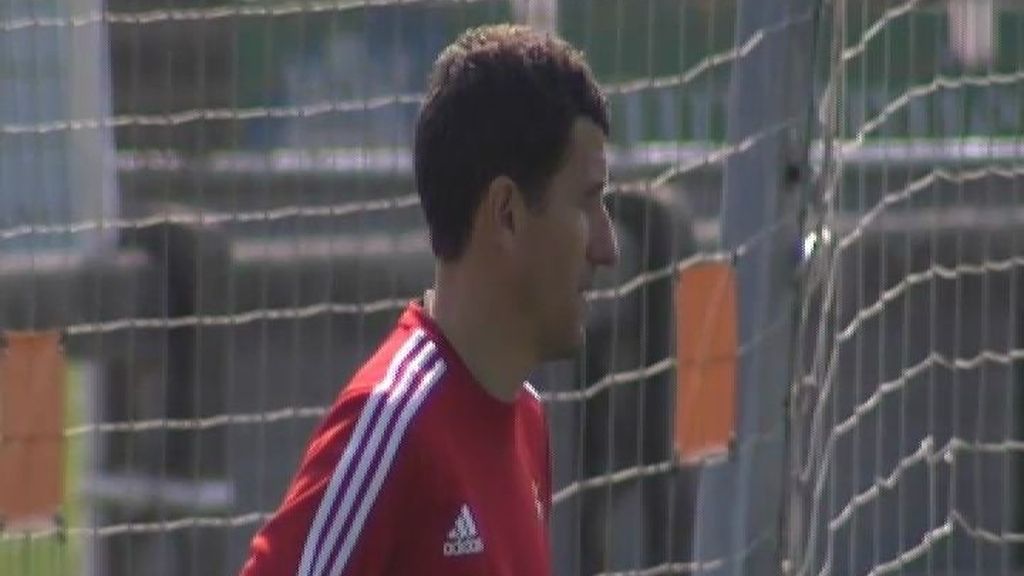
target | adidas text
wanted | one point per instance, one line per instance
(463, 547)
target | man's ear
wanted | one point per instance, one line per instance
(503, 207)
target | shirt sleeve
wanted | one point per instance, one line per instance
(341, 510)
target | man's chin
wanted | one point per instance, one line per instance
(566, 348)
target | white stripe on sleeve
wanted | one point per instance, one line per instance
(365, 417)
(419, 395)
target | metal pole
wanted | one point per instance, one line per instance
(740, 500)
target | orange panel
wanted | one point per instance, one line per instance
(32, 372)
(706, 351)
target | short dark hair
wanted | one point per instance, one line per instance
(501, 101)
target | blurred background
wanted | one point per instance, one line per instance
(211, 202)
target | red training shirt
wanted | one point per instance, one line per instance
(416, 470)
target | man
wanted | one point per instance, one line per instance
(434, 459)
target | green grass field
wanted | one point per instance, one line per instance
(55, 555)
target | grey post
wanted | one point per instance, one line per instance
(740, 501)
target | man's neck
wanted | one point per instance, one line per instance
(483, 337)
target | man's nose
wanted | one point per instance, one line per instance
(604, 247)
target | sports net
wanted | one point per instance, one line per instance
(905, 408)
(223, 226)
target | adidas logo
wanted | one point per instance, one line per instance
(463, 538)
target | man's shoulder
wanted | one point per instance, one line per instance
(383, 401)
(397, 377)
(402, 350)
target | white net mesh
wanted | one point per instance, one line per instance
(222, 224)
(906, 405)
(259, 234)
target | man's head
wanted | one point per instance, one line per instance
(510, 166)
